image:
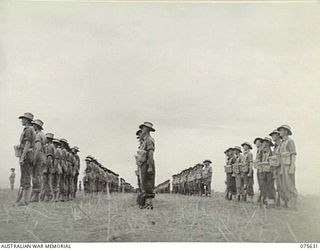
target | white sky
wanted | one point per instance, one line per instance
(208, 76)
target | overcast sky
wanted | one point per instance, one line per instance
(208, 76)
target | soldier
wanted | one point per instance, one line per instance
(76, 169)
(207, 176)
(258, 143)
(38, 160)
(64, 166)
(12, 178)
(236, 171)
(276, 166)
(57, 170)
(80, 186)
(25, 154)
(266, 175)
(87, 177)
(148, 166)
(288, 165)
(247, 172)
(70, 181)
(199, 182)
(230, 179)
(48, 170)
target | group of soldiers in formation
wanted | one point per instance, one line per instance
(49, 164)
(50, 167)
(145, 166)
(195, 180)
(275, 164)
(99, 179)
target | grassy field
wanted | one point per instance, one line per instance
(175, 218)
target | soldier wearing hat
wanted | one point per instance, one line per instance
(25, 154)
(57, 170)
(207, 176)
(76, 169)
(266, 175)
(247, 172)
(87, 177)
(12, 178)
(39, 160)
(69, 178)
(147, 166)
(230, 179)
(275, 163)
(236, 171)
(258, 143)
(288, 165)
(48, 169)
(64, 167)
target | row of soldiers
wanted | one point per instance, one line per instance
(99, 178)
(50, 164)
(163, 187)
(275, 164)
(195, 180)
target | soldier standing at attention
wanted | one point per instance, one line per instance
(76, 169)
(236, 170)
(57, 170)
(12, 178)
(230, 181)
(148, 167)
(38, 160)
(207, 176)
(48, 170)
(276, 166)
(247, 171)
(27, 139)
(288, 165)
(258, 143)
(64, 166)
(266, 177)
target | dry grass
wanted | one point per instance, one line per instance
(115, 217)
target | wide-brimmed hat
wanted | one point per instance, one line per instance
(257, 139)
(207, 161)
(27, 115)
(287, 127)
(38, 122)
(246, 143)
(268, 140)
(274, 132)
(64, 141)
(75, 148)
(88, 159)
(227, 150)
(148, 125)
(55, 140)
(237, 148)
(12, 169)
(49, 136)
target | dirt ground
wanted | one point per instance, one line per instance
(176, 218)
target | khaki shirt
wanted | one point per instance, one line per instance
(28, 134)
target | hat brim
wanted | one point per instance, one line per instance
(22, 116)
(208, 162)
(271, 143)
(37, 125)
(273, 133)
(289, 131)
(12, 169)
(247, 145)
(143, 125)
(237, 149)
(257, 139)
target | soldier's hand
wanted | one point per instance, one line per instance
(149, 170)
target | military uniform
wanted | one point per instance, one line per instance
(207, 177)
(64, 167)
(76, 169)
(247, 172)
(257, 161)
(237, 171)
(57, 170)
(288, 167)
(26, 146)
(266, 174)
(48, 170)
(230, 179)
(38, 162)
